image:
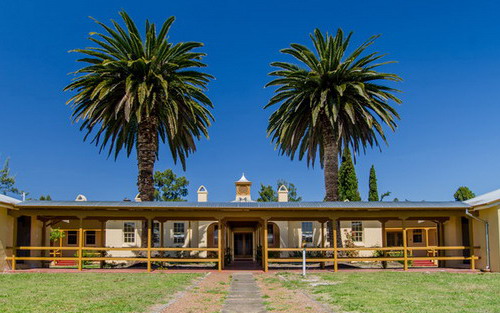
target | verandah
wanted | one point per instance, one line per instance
(259, 213)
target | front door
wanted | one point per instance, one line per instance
(243, 245)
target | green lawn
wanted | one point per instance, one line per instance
(88, 292)
(405, 292)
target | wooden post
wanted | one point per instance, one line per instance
(427, 237)
(80, 245)
(335, 246)
(471, 244)
(44, 238)
(441, 263)
(14, 242)
(103, 241)
(223, 235)
(149, 226)
(323, 253)
(405, 245)
(384, 242)
(265, 255)
(219, 244)
(162, 240)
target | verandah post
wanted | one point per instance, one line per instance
(149, 226)
(103, 242)
(405, 245)
(264, 249)
(219, 244)
(335, 247)
(44, 238)
(80, 244)
(14, 243)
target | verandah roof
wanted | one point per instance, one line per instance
(327, 206)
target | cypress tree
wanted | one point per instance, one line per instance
(348, 181)
(373, 189)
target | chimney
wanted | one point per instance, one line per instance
(243, 190)
(202, 194)
(81, 198)
(282, 194)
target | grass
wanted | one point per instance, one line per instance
(405, 292)
(88, 292)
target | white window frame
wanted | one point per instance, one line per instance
(358, 235)
(129, 229)
(307, 237)
(179, 236)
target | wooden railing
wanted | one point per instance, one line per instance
(407, 255)
(81, 258)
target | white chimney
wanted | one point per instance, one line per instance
(202, 194)
(282, 194)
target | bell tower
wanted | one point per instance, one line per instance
(243, 190)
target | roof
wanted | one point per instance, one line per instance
(487, 198)
(353, 205)
(7, 199)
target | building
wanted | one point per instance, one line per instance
(450, 234)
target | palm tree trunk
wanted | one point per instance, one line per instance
(331, 173)
(147, 147)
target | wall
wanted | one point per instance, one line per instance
(372, 235)
(492, 215)
(6, 223)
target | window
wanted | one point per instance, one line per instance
(129, 232)
(72, 237)
(270, 234)
(357, 231)
(90, 237)
(179, 233)
(307, 233)
(417, 236)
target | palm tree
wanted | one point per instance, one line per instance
(332, 102)
(133, 92)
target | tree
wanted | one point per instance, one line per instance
(46, 198)
(269, 194)
(7, 181)
(169, 186)
(463, 193)
(385, 194)
(373, 192)
(332, 101)
(348, 181)
(135, 92)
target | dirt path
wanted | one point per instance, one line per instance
(278, 298)
(207, 296)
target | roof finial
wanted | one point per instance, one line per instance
(243, 179)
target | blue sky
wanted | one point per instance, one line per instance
(448, 57)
